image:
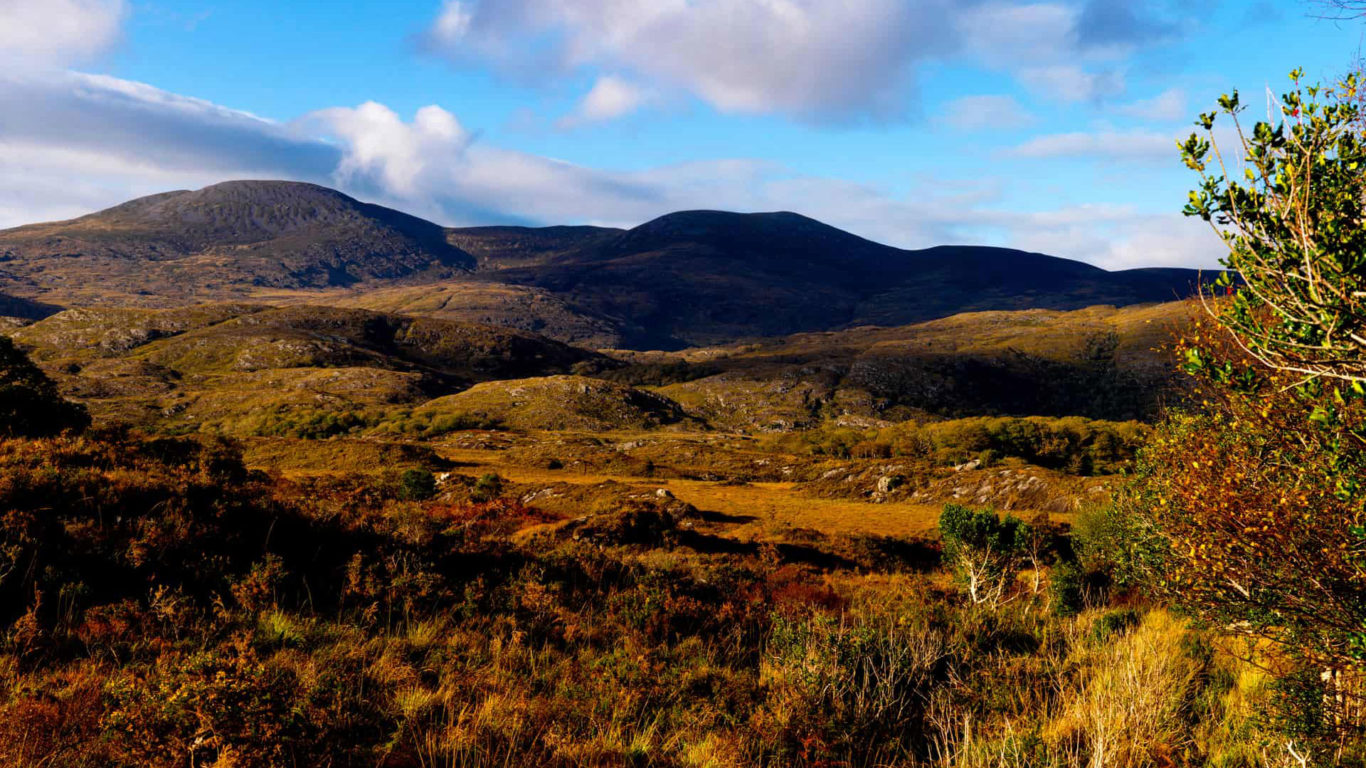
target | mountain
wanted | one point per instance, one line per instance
(684, 279)
(187, 245)
(704, 277)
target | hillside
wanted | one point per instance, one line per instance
(559, 403)
(246, 368)
(685, 279)
(254, 369)
(512, 306)
(1100, 362)
(224, 240)
(705, 277)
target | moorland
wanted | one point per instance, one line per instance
(290, 479)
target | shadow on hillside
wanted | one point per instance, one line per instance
(802, 554)
(722, 517)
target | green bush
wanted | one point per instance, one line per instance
(1112, 623)
(428, 424)
(984, 549)
(487, 488)
(303, 423)
(1065, 586)
(417, 484)
(1072, 444)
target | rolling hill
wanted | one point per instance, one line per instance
(705, 277)
(684, 279)
(1100, 362)
(224, 241)
(248, 368)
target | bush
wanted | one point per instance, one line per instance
(1065, 586)
(417, 484)
(854, 688)
(1112, 623)
(1294, 227)
(984, 549)
(1075, 445)
(430, 423)
(487, 488)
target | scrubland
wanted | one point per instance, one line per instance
(166, 605)
(331, 559)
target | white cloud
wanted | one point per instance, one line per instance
(1168, 106)
(135, 122)
(58, 32)
(1067, 52)
(1007, 35)
(981, 113)
(71, 143)
(1116, 237)
(1102, 145)
(809, 58)
(1068, 82)
(394, 155)
(610, 98)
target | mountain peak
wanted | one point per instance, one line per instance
(277, 234)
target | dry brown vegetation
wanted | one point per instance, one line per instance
(227, 618)
(567, 570)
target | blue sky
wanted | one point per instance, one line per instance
(1044, 125)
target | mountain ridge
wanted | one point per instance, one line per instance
(682, 279)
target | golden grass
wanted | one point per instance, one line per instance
(763, 508)
(1129, 711)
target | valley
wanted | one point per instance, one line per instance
(361, 360)
(690, 384)
(286, 447)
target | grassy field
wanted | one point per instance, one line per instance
(756, 510)
(745, 510)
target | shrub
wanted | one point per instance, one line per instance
(417, 484)
(1076, 445)
(426, 424)
(1115, 622)
(860, 687)
(1294, 227)
(487, 488)
(1066, 589)
(984, 549)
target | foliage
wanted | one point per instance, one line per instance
(1295, 228)
(985, 549)
(429, 424)
(489, 486)
(305, 423)
(161, 606)
(1077, 445)
(1250, 512)
(857, 686)
(417, 484)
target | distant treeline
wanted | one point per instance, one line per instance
(1074, 444)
